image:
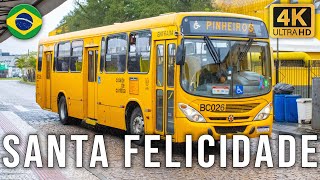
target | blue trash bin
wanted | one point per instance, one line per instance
(279, 112)
(291, 110)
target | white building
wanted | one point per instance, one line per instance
(9, 60)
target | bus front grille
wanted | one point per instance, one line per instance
(229, 129)
(239, 108)
(226, 118)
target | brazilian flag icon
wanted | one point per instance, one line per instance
(24, 21)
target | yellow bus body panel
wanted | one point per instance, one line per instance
(116, 91)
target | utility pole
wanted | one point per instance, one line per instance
(277, 62)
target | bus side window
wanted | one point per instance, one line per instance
(116, 53)
(63, 57)
(160, 62)
(55, 57)
(40, 54)
(133, 63)
(139, 52)
(103, 54)
(171, 62)
(76, 56)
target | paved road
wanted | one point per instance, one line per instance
(20, 114)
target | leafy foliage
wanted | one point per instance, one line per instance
(95, 13)
(27, 62)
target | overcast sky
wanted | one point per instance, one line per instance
(50, 22)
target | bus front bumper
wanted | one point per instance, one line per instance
(251, 129)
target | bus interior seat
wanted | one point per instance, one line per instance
(144, 64)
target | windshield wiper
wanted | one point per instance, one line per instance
(246, 49)
(212, 50)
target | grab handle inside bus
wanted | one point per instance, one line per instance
(180, 55)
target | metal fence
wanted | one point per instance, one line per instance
(298, 73)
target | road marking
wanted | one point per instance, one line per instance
(21, 108)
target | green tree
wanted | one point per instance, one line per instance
(21, 63)
(27, 62)
(95, 13)
(31, 60)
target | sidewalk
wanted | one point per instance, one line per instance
(294, 129)
(10, 123)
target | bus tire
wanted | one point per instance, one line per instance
(137, 125)
(63, 111)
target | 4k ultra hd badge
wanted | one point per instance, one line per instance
(292, 20)
(24, 21)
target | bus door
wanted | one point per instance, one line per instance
(48, 69)
(40, 84)
(165, 62)
(92, 81)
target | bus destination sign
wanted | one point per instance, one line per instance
(224, 26)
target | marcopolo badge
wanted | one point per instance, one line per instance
(24, 21)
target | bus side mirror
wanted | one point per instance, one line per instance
(180, 55)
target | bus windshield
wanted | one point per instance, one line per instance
(243, 68)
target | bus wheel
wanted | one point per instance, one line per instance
(137, 125)
(63, 111)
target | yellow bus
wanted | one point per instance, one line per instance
(176, 74)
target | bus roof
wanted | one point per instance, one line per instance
(164, 20)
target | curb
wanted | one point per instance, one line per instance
(28, 83)
(279, 132)
(295, 134)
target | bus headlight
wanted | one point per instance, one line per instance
(264, 113)
(191, 113)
